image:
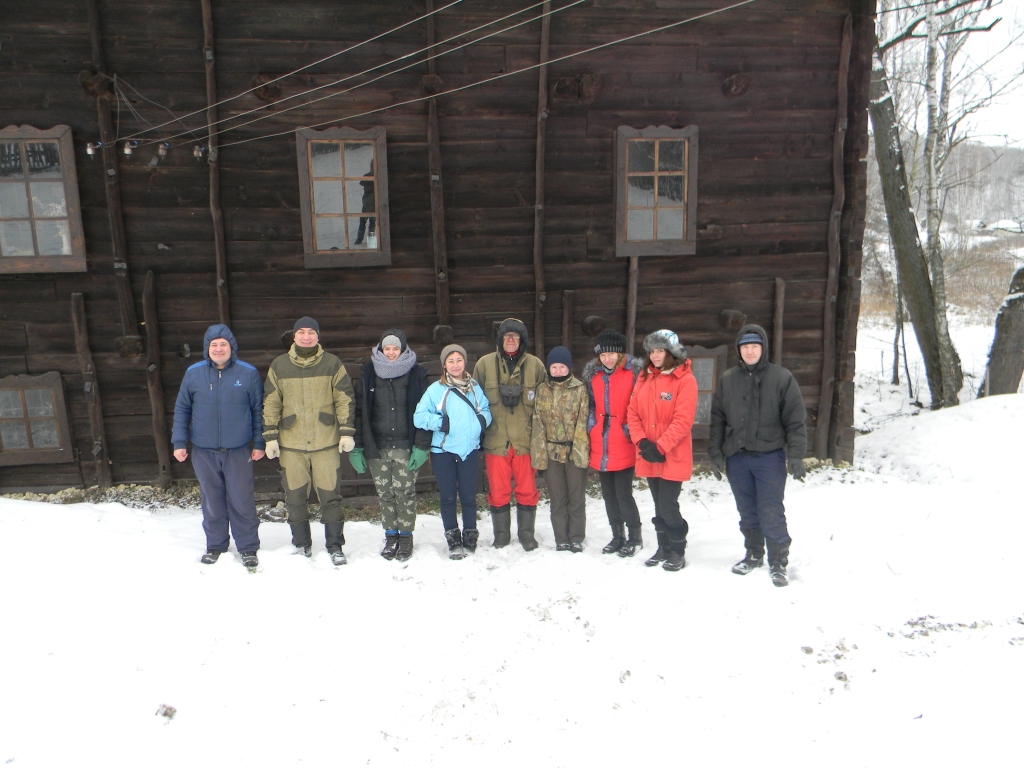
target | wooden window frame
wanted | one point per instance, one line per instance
(685, 246)
(720, 354)
(361, 257)
(63, 453)
(61, 135)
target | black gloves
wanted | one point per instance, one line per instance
(797, 468)
(649, 451)
(444, 425)
(718, 466)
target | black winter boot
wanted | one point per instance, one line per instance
(526, 522)
(470, 536)
(404, 547)
(753, 540)
(390, 546)
(676, 551)
(455, 549)
(334, 533)
(302, 538)
(661, 554)
(501, 519)
(634, 543)
(210, 557)
(778, 560)
(618, 539)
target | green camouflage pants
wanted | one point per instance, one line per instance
(396, 487)
(298, 469)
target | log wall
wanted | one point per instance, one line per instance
(759, 82)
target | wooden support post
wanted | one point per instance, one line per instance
(156, 388)
(1005, 360)
(101, 461)
(130, 342)
(439, 239)
(540, 292)
(777, 320)
(568, 301)
(219, 244)
(632, 284)
(828, 364)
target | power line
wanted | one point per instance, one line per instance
(372, 69)
(300, 69)
(400, 69)
(485, 81)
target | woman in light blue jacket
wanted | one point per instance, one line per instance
(456, 410)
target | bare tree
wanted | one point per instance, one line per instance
(951, 91)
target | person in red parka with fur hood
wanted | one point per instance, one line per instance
(661, 414)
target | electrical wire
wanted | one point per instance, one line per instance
(300, 69)
(395, 71)
(485, 81)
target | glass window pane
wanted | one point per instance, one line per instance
(703, 408)
(48, 200)
(359, 196)
(39, 402)
(330, 233)
(13, 435)
(670, 190)
(640, 156)
(640, 192)
(54, 238)
(13, 201)
(670, 223)
(10, 404)
(670, 156)
(703, 372)
(327, 197)
(43, 160)
(358, 158)
(325, 158)
(44, 434)
(362, 232)
(10, 161)
(16, 238)
(640, 224)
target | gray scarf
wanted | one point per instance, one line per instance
(385, 369)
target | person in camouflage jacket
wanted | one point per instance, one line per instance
(561, 447)
(308, 421)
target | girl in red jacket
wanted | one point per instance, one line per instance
(661, 414)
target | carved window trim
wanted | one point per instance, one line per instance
(63, 452)
(380, 255)
(59, 135)
(707, 383)
(687, 206)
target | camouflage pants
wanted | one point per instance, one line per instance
(298, 469)
(396, 487)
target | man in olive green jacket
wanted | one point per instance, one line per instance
(309, 420)
(509, 377)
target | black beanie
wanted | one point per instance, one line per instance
(306, 322)
(610, 341)
(560, 355)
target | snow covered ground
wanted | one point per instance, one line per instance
(900, 639)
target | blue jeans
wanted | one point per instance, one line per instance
(758, 482)
(456, 476)
(225, 480)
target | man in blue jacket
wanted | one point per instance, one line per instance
(220, 409)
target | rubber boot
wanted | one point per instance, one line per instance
(753, 540)
(661, 554)
(634, 543)
(335, 536)
(501, 519)
(676, 551)
(778, 560)
(618, 539)
(454, 539)
(302, 538)
(526, 521)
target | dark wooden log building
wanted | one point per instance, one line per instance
(687, 179)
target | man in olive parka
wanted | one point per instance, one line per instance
(758, 428)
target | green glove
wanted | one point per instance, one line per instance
(418, 458)
(357, 460)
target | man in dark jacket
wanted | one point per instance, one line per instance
(387, 393)
(220, 409)
(758, 426)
